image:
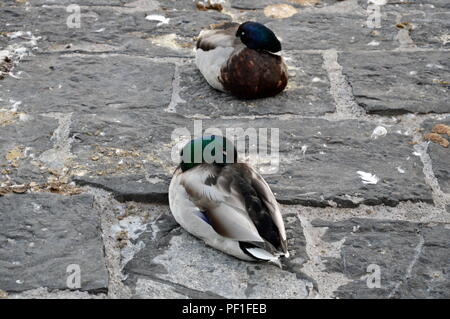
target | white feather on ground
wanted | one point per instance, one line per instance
(368, 178)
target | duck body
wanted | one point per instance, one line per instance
(231, 208)
(232, 62)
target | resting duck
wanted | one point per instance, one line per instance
(239, 59)
(225, 203)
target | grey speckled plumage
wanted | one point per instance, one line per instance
(231, 208)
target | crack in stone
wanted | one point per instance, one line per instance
(184, 290)
(418, 251)
(327, 283)
(96, 50)
(372, 118)
(150, 197)
(340, 89)
(180, 60)
(107, 206)
(176, 98)
(56, 157)
(440, 198)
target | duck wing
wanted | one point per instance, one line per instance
(223, 35)
(214, 48)
(223, 209)
(266, 196)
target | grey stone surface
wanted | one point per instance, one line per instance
(412, 258)
(406, 6)
(128, 153)
(440, 156)
(189, 23)
(90, 112)
(429, 20)
(89, 84)
(42, 234)
(253, 5)
(321, 31)
(307, 93)
(23, 138)
(250, 5)
(110, 29)
(430, 30)
(84, 2)
(399, 82)
(185, 266)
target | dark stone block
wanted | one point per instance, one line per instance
(42, 234)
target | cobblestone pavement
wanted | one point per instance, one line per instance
(86, 122)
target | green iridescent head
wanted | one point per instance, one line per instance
(256, 36)
(212, 149)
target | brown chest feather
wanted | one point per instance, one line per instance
(252, 74)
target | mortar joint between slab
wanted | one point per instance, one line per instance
(340, 89)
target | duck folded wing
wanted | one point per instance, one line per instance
(223, 37)
(224, 211)
(267, 197)
(232, 204)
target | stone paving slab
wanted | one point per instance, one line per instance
(399, 82)
(138, 165)
(307, 93)
(319, 161)
(427, 21)
(430, 30)
(89, 84)
(315, 31)
(426, 5)
(440, 156)
(412, 258)
(42, 234)
(180, 264)
(105, 29)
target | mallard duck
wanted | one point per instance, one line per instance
(225, 203)
(240, 59)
